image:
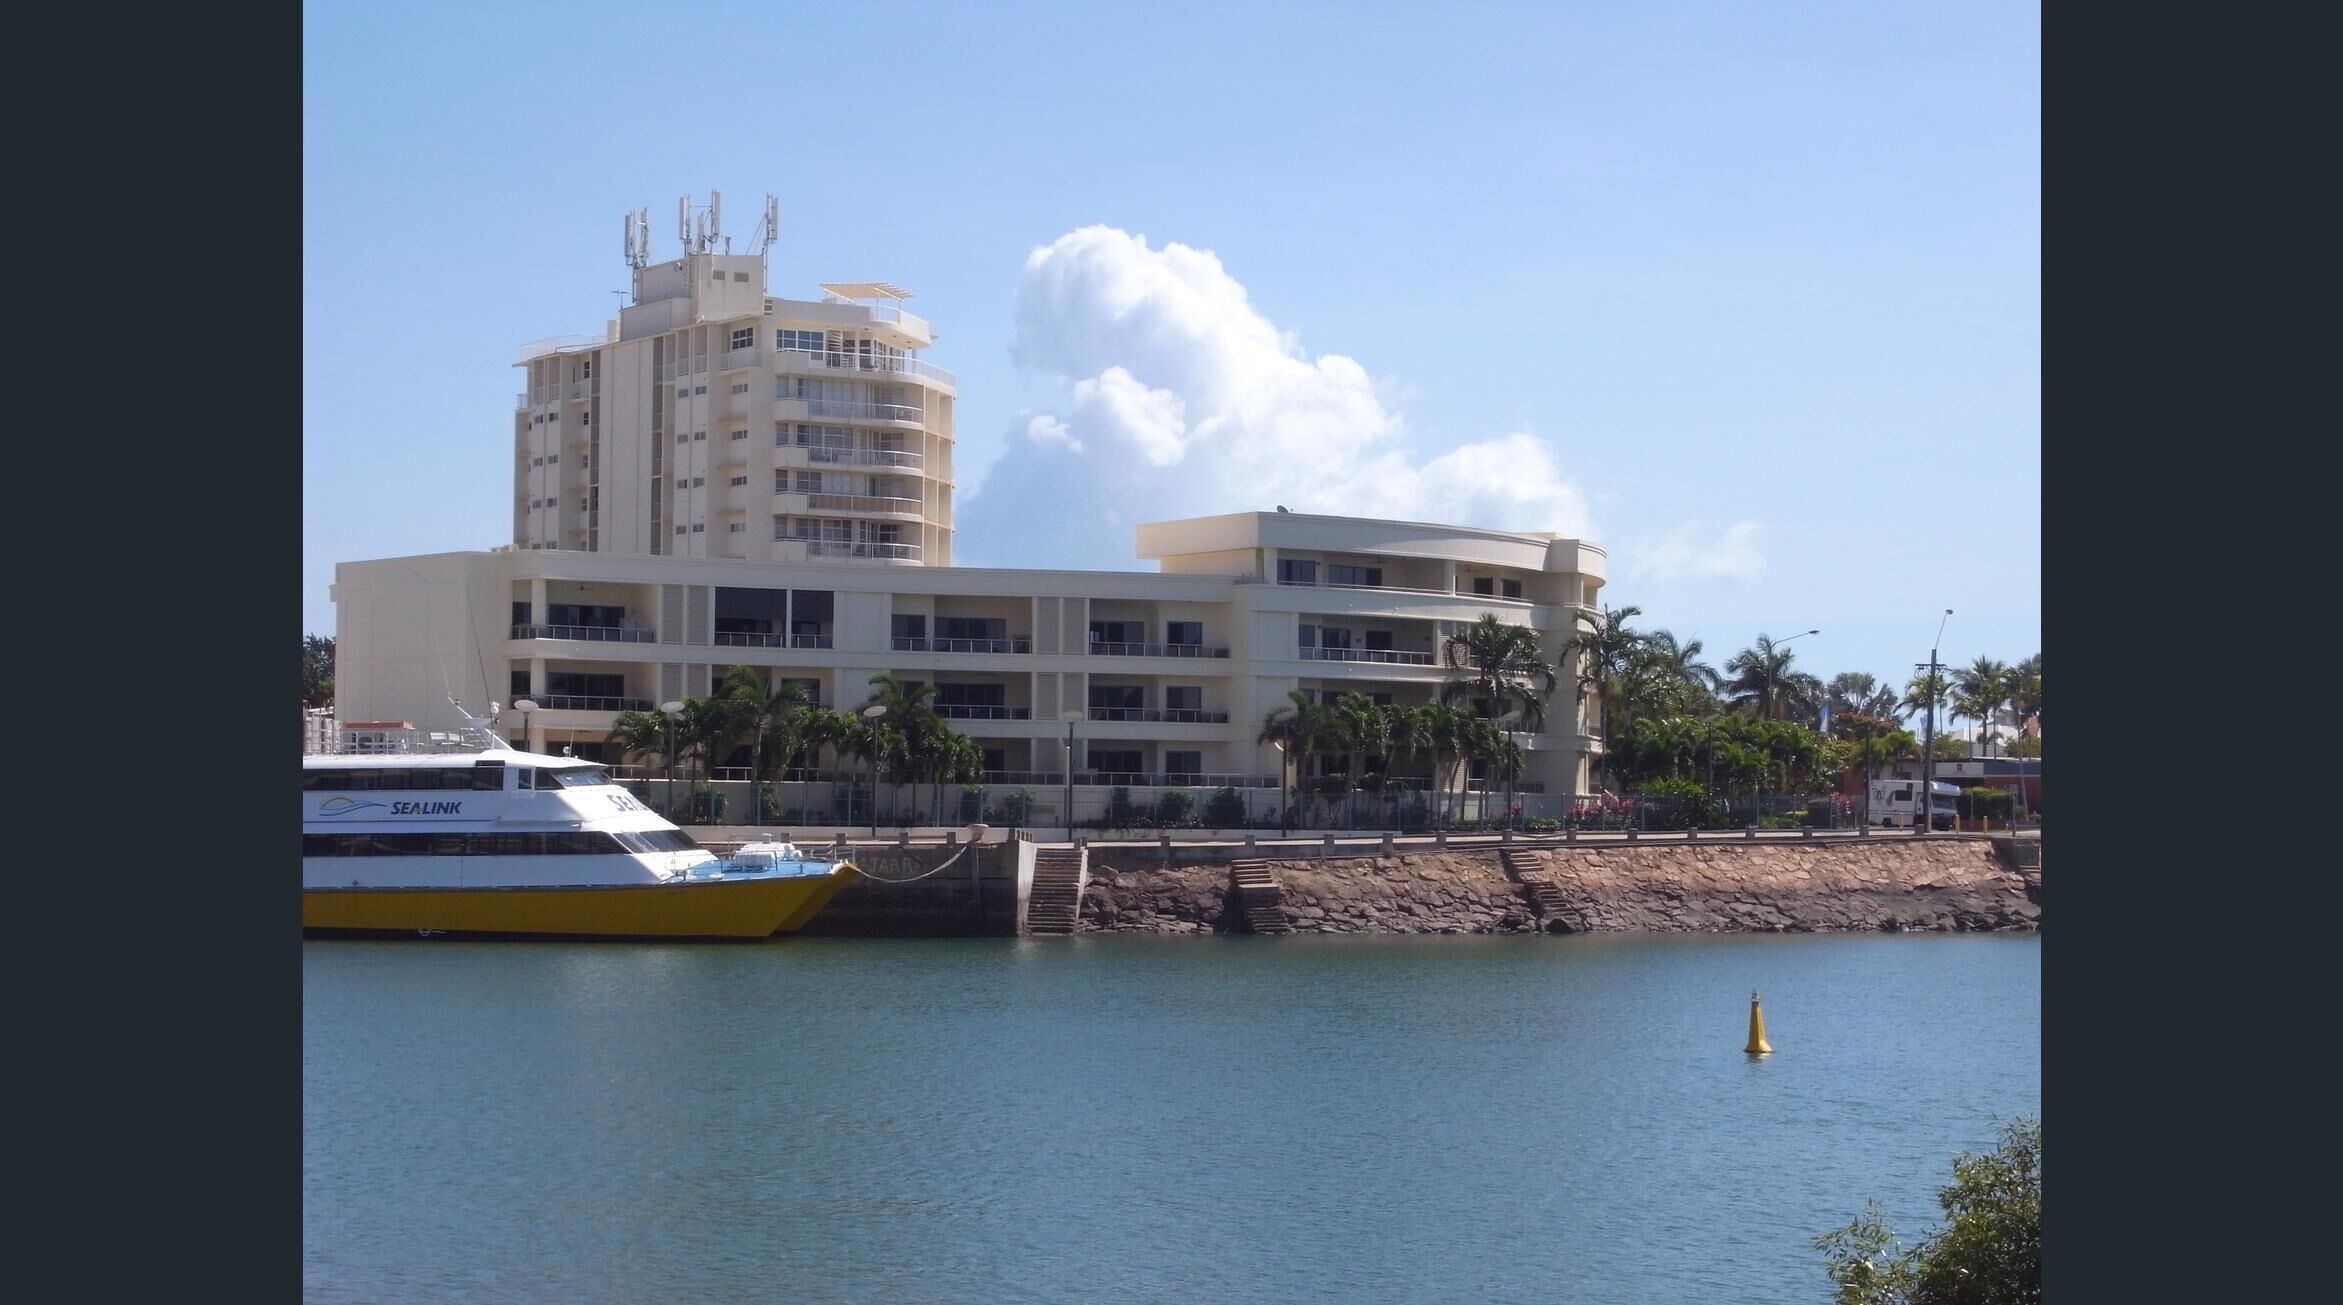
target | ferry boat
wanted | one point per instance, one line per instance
(483, 840)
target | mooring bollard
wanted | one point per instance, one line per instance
(1809, 831)
(1326, 849)
(1507, 838)
(1570, 835)
(1386, 842)
(1166, 842)
(1252, 846)
(1691, 833)
(902, 840)
(1440, 839)
(1633, 834)
(1750, 832)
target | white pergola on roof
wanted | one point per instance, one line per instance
(865, 290)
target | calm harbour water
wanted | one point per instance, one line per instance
(1092, 1119)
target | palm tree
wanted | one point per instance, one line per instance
(1855, 693)
(913, 719)
(1980, 692)
(1363, 729)
(1296, 730)
(1802, 696)
(1412, 735)
(2025, 691)
(1450, 729)
(1758, 675)
(765, 712)
(1680, 662)
(638, 734)
(1608, 654)
(1506, 666)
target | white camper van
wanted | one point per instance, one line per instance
(1896, 802)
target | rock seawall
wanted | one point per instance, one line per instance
(1761, 887)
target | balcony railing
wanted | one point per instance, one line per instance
(1384, 589)
(1155, 650)
(738, 359)
(1024, 777)
(578, 390)
(807, 360)
(521, 400)
(1532, 786)
(1365, 655)
(1175, 779)
(981, 645)
(865, 503)
(586, 633)
(574, 702)
(750, 639)
(980, 711)
(862, 457)
(809, 641)
(852, 411)
(844, 548)
(1167, 715)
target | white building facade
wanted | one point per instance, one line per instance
(728, 479)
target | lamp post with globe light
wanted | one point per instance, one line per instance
(524, 706)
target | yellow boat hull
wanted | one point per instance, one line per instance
(706, 908)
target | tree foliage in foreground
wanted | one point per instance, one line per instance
(1988, 1253)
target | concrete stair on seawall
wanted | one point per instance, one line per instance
(1054, 906)
(1259, 897)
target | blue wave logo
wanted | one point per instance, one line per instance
(342, 806)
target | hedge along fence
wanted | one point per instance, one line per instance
(1986, 803)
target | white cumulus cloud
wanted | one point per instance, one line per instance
(1684, 554)
(1181, 399)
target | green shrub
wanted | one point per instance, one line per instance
(1176, 809)
(705, 806)
(1542, 825)
(1992, 803)
(1225, 809)
(1120, 814)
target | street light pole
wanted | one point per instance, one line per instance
(1928, 731)
(671, 710)
(1070, 717)
(872, 713)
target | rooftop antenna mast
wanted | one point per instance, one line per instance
(638, 239)
(770, 230)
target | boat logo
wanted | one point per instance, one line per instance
(342, 806)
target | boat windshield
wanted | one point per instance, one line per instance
(581, 777)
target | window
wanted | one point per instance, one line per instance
(1309, 635)
(1178, 763)
(1185, 633)
(1378, 640)
(518, 683)
(741, 388)
(698, 481)
(740, 434)
(744, 338)
(803, 341)
(552, 458)
(682, 438)
(1292, 571)
(971, 627)
(699, 436)
(1117, 697)
(679, 530)
(1117, 761)
(536, 462)
(1184, 697)
(735, 528)
(972, 695)
(699, 389)
(910, 627)
(740, 480)
(1333, 636)
(1354, 575)
(740, 276)
(699, 528)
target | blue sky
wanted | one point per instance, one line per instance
(1751, 294)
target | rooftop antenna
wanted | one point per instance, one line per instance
(683, 221)
(770, 230)
(638, 239)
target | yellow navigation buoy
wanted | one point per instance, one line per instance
(1758, 1046)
